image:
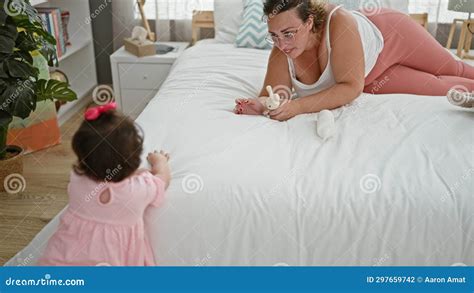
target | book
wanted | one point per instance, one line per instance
(54, 33)
(58, 35)
(55, 27)
(65, 20)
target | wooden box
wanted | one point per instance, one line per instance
(139, 50)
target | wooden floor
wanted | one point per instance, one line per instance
(46, 174)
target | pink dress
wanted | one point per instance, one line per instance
(93, 233)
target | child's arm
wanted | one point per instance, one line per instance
(159, 166)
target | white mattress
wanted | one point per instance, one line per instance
(393, 187)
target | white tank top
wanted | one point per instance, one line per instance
(372, 43)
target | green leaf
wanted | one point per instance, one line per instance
(34, 36)
(3, 71)
(23, 100)
(6, 45)
(31, 12)
(27, 12)
(3, 86)
(21, 55)
(5, 100)
(49, 52)
(37, 28)
(26, 42)
(18, 98)
(3, 15)
(19, 88)
(5, 118)
(9, 30)
(54, 90)
(21, 69)
(25, 104)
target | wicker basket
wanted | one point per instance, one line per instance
(12, 165)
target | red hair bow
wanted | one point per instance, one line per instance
(94, 112)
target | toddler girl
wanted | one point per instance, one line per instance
(103, 224)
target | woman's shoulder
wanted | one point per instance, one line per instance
(342, 21)
(341, 17)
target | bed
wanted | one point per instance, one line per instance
(392, 187)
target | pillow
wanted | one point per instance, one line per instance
(227, 19)
(253, 29)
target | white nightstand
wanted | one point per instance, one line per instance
(137, 80)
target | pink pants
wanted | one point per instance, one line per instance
(412, 61)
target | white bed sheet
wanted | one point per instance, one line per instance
(252, 191)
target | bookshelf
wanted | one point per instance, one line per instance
(79, 61)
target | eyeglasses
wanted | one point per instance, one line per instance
(288, 36)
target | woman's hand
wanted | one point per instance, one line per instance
(249, 106)
(287, 110)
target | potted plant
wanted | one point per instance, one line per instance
(23, 34)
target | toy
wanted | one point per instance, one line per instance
(272, 102)
(326, 126)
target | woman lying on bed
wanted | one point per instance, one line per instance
(330, 55)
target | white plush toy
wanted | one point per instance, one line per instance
(326, 126)
(273, 100)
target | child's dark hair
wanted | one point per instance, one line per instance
(111, 142)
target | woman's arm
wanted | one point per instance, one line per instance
(278, 74)
(334, 97)
(348, 66)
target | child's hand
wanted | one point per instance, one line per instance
(159, 165)
(156, 159)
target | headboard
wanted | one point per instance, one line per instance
(421, 18)
(205, 19)
(201, 19)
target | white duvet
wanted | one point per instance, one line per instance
(394, 186)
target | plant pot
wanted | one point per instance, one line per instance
(11, 169)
